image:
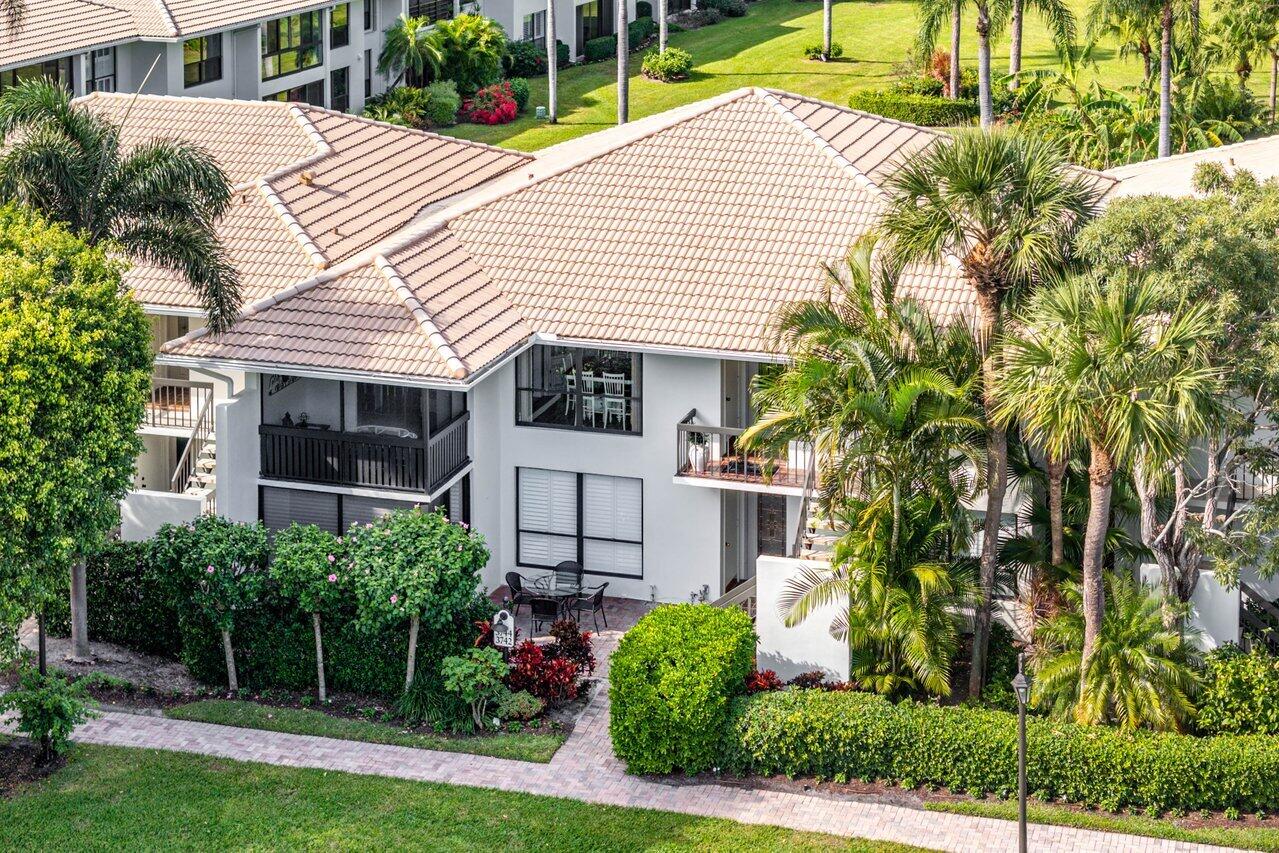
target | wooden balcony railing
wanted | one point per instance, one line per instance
(176, 403)
(719, 457)
(358, 459)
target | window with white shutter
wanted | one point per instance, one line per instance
(595, 520)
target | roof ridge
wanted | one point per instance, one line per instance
(822, 144)
(434, 336)
(163, 8)
(415, 131)
(1185, 155)
(316, 254)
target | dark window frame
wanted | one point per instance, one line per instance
(465, 509)
(310, 93)
(340, 35)
(91, 84)
(300, 36)
(636, 399)
(208, 68)
(579, 536)
(370, 17)
(340, 102)
(59, 70)
(368, 74)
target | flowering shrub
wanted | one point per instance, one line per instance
(760, 682)
(310, 568)
(492, 105)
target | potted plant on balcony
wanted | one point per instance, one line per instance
(768, 469)
(698, 453)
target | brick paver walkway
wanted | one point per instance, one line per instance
(585, 769)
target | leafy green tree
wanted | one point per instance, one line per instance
(1138, 674)
(75, 373)
(1104, 363)
(478, 677)
(1006, 207)
(310, 567)
(416, 566)
(157, 203)
(1133, 23)
(224, 568)
(472, 48)
(49, 708)
(410, 47)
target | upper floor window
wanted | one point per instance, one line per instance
(432, 10)
(578, 388)
(308, 93)
(535, 28)
(340, 25)
(58, 70)
(340, 89)
(202, 60)
(101, 70)
(292, 44)
(370, 16)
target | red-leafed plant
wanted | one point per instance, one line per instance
(573, 644)
(553, 679)
(492, 105)
(808, 680)
(485, 638)
(760, 682)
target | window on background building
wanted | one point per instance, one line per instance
(432, 10)
(535, 28)
(308, 93)
(340, 89)
(340, 25)
(292, 44)
(593, 519)
(368, 74)
(202, 60)
(370, 15)
(58, 70)
(101, 70)
(280, 507)
(578, 388)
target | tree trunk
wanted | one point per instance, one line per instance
(1165, 81)
(956, 33)
(662, 28)
(79, 613)
(1056, 533)
(983, 67)
(1101, 474)
(1147, 61)
(319, 658)
(1014, 46)
(623, 66)
(233, 683)
(414, 622)
(826, 29)
(552, 63)
(42, 646)
(1274, 86)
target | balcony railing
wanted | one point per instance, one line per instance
(356, 459)
(176, 403)
(714, 453)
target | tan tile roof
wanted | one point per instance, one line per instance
(682, 232)
(196, 16)
(1175, 175)
(59, 27)
(316, 186)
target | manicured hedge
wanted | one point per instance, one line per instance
(129, 602)
(1241, 693)
(925, 110)
(605, 47)
(670, 682)
(862, 736)
(643, 9)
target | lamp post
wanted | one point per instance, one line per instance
(1021, 686)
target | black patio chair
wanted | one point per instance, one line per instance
(543, 611)
(592, 600)
(519, 594)
(568, 575)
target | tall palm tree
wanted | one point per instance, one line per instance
(13, 12)
(157, 203)
(826, 29)
(932, 15)
(623, 65)
(1056, 14)
(1102, 363)
(410, 46)
(1167, 20)
(552, 63)
(1134, 23)
(1138, 675)
(1006, 207)
(663, 28)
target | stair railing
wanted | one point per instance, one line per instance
(200, 433)
(801, 529)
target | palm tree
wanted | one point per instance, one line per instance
(826, 29)
(552, 63)
(1133, 22)
(410, 46)
(158, 203)
(663, 29)
(1006, 207)
(623, 65)
(1166, 22)
(1101, 363)
(1060, 21)
(932, 14)
(13, 12)
(1138, 674)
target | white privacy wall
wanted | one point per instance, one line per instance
(808, 646)
(681, 523)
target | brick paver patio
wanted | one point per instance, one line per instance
(585, 769)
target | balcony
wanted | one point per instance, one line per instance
(175, 405)
(331, 457)
(711, 456)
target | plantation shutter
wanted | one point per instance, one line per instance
(613, 525)
(282, 507)
(547, 518)
(357, 510)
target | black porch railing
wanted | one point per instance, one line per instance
(176, 403)
(715, 453)
(355, 459)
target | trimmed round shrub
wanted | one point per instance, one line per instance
(669, 66)
(728, 8)
(519, 91)
(494, 104)
(814, 51)
(670, 682)
(924, 110)
(599, 49)
(524, 59)
(444, 102)
(640, 31)
(694, 20)
(863, 736)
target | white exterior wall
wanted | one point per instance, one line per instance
(236, 422)
(143, 513)
(805, 647)
(681, 523)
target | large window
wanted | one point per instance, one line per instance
(292, 44)
(370, 15)
(535, 28)
(101, 70)
(340, 25)
(202, 60)
(308, 93)
(432, 10)
(596, 520)
(576, 388)
(58, 70)
(279, 507)
(340, 89)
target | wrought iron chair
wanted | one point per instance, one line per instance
(568, 575)
(543, 611)
(519, 595)
(593, 600)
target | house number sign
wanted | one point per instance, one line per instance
(503, 630)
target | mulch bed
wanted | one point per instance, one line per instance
(20, 766)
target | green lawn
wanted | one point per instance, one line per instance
(110, 798)
(765, 48)
(250, 715)
(1245, 838)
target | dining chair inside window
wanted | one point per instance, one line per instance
(615, 399)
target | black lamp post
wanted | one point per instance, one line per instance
(1021, 686)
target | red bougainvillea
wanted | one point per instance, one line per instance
(491, 105)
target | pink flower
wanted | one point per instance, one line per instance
(332, 558)
(465, 526)
(333, 578)
(209, 570)
(394, 598)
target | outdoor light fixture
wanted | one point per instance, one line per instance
(1021, 686)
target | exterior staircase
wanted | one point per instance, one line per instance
(817, 541)
(203, 479)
